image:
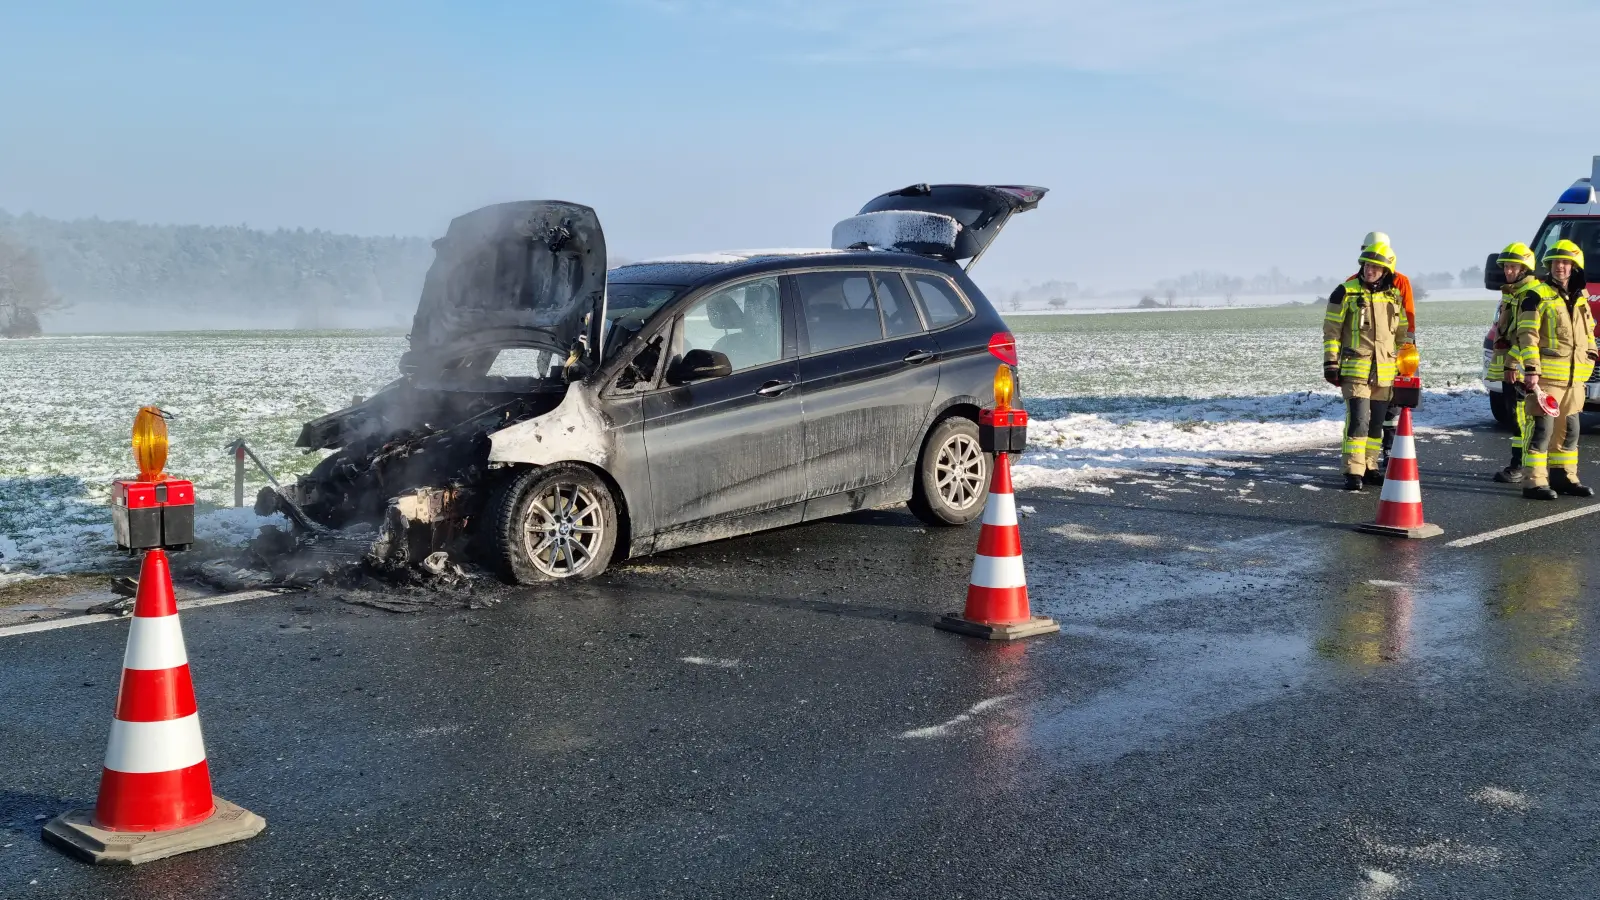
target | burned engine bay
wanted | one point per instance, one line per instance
(519, 282)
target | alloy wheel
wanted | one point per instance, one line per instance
(959, 469)
(563, 528)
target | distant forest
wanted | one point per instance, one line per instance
(104, 271)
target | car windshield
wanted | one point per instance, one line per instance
(629, 306)
(1583, 232)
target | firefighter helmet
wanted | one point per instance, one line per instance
(1517, 254)
(1566, 250)
(1379, 254)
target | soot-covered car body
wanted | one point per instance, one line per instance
(554, 415)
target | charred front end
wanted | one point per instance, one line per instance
(509, 319)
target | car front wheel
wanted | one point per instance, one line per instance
(552, 524)
(952, 479)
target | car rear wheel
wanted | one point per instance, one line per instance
(553, 523)
(1500, 407)
(952, 479)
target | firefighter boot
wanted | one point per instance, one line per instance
(1512, 474)
(1562, 483)
(1352, 482)
(1538, 492)
(1383, 454)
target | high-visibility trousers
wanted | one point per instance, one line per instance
(1553, 440)
(1365, 405)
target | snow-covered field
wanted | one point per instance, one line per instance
(1107, 394)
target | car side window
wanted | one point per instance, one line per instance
(899, 315)
(744, 321)
(942, 304)
(840, 309)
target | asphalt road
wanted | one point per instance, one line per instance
(1248, 700)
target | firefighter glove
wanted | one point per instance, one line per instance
(1330, 373)
(1531, 381)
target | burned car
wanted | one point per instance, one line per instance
(555, 416)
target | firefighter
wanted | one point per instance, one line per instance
(1402, 284)
(1517, 265)
(1556, 349)
(1361, 333)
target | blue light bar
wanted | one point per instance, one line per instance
(1581, 193)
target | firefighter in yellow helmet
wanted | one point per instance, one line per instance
(1361, 333)
(1556, 350)
(1517, 265)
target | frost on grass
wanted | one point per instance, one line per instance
(66, 410)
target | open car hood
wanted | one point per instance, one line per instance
(529, 273)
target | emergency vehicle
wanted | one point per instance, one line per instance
(1576, 218)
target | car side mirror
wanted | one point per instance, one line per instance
(1494, 278)
(698, 365)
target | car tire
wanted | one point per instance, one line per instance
(951, 483)
(1504, 416)
(552, 523)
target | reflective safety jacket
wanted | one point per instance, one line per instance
(1505, 325)
(1362, 331)
(1555, 336)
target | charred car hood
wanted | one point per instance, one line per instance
(530, 273)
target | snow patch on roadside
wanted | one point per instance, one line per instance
(1500, 798)
(1072, 450)
(65, 547)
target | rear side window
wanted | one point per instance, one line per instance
(942, 304)
(840, 309)
(899, 315)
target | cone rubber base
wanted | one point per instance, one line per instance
(76, 834)
(1012, 632)
(1421, 531)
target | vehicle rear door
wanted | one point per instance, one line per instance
(982, 210)
(729, 446)
(868, 371)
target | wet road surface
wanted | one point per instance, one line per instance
(1248, 700)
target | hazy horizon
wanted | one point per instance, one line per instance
(1232, 136)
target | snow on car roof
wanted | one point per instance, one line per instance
(738, 256)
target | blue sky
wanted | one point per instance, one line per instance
(1232, 135)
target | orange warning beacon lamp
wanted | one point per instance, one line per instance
(152, 510)
(1407, 383)
(1003, 429)
(150, 443)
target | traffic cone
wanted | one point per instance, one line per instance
(155, 790)
(997, 594)
(1400, 505)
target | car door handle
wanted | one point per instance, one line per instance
(774, 388)
(917, 357)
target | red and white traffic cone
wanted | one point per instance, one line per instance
(155, 789)
(997, 595)
(1400, 504)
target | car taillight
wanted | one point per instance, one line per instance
(1004, 348)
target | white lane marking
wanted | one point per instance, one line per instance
(70, 621)
(945, 728)
(137, 747)
(1379, 582)
(998, 571)
(1500, 798)
(155, 642)
(53, 624)
(709, 661)
(1525, 526)
(1000, 510)
(1444, 852)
